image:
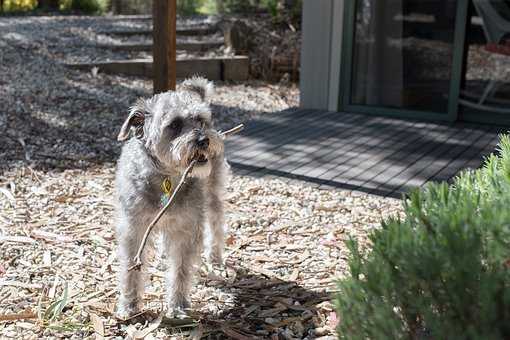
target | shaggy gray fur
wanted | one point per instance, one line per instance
(168, 131)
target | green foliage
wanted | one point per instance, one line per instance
(18, 5)
(279, 9)
(55, 309)
(85, 6)
(271, 6)
(443, 271)
(236, 6)
(189, 7)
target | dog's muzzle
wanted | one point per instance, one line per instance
(202, 146)
(203, 142)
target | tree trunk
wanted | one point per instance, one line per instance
(164, 45)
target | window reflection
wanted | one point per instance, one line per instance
(402, 55)
(486, 85)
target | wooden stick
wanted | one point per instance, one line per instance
(232, 131)
(138, 256)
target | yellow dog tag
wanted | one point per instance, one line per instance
(166, 187)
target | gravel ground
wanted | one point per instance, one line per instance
(57, 260)
(75, 38)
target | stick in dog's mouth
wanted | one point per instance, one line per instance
(200, 157)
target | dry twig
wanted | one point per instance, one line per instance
(138, 256)
(18, 316)
(232, 131)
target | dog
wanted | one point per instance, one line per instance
(163, 134)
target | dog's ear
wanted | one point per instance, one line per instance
(134, 122)
(199, 85)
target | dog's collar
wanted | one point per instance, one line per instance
(166, 190)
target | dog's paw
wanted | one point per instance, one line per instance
(126, 309)
(178, 308)
(215, 257)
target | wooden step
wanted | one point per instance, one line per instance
(194, 46)
(184, 31)
(220, 68)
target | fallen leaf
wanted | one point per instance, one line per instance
(47, 258)
(16, 239)
(7, 193)
(268, 313)
(234, 334)
(51, 237)
(18, 316)
(332, 320)
(53, 289)
(294, 276)
(135, 334)
(230, 240)
(98, 325)
(30, 286)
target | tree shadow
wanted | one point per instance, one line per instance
(265, 305)
(259, 307)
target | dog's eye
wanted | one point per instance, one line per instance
(176, 125)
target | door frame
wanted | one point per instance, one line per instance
(452, 113)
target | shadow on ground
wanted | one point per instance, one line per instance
(262, 307)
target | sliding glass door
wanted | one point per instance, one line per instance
(404, 57)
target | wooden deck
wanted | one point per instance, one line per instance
(377, 155)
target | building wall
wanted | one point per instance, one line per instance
(321, 53)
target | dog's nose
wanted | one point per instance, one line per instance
(203, 141)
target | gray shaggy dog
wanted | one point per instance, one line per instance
(168, 131)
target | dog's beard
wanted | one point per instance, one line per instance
(201, 170)
(184, 152)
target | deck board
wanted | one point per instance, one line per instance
(377, 155)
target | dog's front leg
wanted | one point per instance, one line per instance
(216, 236)
(183, 251)
(130, 282)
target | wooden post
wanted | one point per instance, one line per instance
(164, 45)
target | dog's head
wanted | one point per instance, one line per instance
(175, 127)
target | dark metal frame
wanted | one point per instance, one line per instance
(456, 73)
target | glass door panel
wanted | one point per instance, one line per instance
(402, 55)
(485, 91)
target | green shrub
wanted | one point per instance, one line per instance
(441, 272)
(18, 5)
(85, 6)
(280, 10)
(272, 7)
(189, 7)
